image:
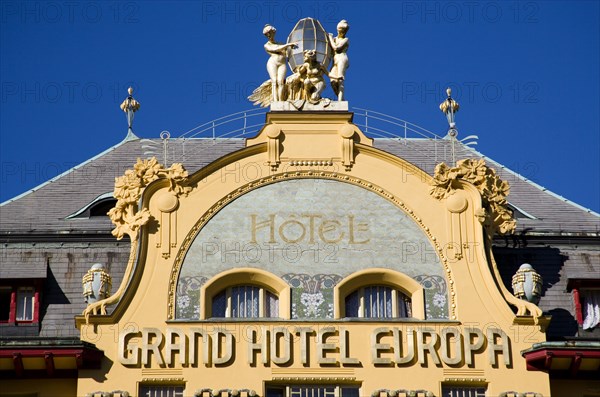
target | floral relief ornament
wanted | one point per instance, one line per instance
(495, 212)
(494, 215)
(128, 218)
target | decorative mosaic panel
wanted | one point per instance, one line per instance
(312, 296)
(188, 297)
(436, 302)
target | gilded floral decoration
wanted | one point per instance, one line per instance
(128, 218)
(494, 191)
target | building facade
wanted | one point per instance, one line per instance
(309, 260)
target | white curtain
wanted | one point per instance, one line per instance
(591, 309)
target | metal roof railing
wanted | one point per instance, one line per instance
(376, 124)
(247, 123)
(234, 125)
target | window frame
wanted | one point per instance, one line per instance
(263, 295)
(578, 287)
(384, 277)
(396, 297)
(14, 287)
(245, 276)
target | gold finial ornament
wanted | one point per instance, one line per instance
(449, 104)
(130, 106)
(130, 103)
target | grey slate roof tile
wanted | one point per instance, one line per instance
(45, 209)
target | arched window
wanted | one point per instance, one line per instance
(377, 301)
(379, 293)
(245, 301)
(245, 293)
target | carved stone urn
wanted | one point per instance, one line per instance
(527, 284)
(96, 284)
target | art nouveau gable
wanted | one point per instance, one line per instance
(310, 213)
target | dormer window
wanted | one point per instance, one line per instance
(98, 207)
(20, 303)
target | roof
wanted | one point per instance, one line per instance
(21, 264)
(44, 209)
(45, 216)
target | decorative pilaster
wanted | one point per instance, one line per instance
(273, 133)
(347, 133)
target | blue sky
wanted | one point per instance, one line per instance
(525, 73)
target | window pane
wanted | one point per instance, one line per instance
(25, 304)
(591, 308)
(349, 392)
(404, 305)
(219, 304)
(352, 302)
(5, 293)
(275, 392)
(378, 302)
(244, 302)
(272, 305)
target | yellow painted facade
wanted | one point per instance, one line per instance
(145, 343)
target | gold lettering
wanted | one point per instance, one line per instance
(293, 230)
(291, 222)
(328, 226)
(359, 227)
(311, 223)
(270, 224)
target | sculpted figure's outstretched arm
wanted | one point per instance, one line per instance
(276, 63)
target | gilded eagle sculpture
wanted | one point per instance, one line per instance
(309, 52)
